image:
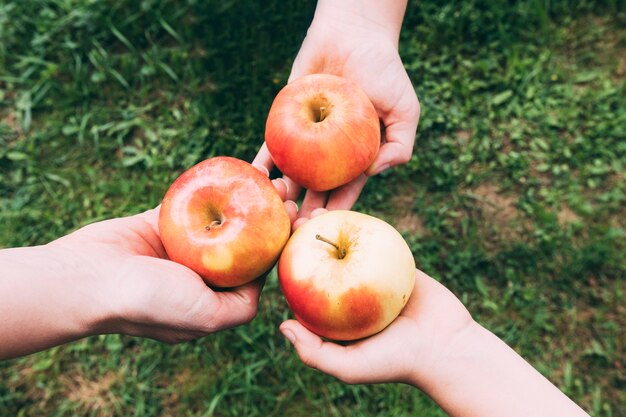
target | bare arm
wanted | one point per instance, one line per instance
(45, 300)
(436, 346)
(111, 277)
(483, 376)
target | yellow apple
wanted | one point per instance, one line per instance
(346, 275)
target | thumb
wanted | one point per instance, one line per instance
(328, 357)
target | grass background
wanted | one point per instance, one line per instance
(514, 198)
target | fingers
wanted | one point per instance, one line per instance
(341, 198)
(286, 187)
(390, 155)
(312, 200)
(298, 222)
(281, 187)
(263, 160)
(399, 136)
(303, 220)
(292, 210)
(327, 357)
(236, 306)
(293, 189)
(344, 197)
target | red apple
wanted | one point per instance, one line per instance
(322, 131)
(225, 220)
(346, 275)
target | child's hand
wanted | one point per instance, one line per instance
(436, 346)
(430, 322)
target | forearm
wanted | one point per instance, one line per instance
(46, 299)
(381, 16)
(482, 376)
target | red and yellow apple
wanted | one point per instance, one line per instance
(322, 131)
(346, 275)
(225, 220)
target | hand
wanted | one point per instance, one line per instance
(403, 352)
(142, 293)
(436, 346)
(340, 41)
(431, 322)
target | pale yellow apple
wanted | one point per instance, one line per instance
(346, 275)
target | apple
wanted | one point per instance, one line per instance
(346, 275)
(322, 131)
(224, 219)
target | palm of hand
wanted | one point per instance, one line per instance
(148, 295)
(430, 322)
(374, 64)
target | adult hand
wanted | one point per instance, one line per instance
(359, 40)
(152, 296)
(112, 277)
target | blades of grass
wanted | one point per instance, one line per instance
(119, 78)
(170, 30)
(169, 71)
(121, 37)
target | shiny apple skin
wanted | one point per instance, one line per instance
(353, 297)
(254, 225)
(322, 155)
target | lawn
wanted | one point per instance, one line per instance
(515, 197)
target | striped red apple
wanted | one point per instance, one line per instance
(225, 220)
(322, 131)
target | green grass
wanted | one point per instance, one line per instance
(515, 196)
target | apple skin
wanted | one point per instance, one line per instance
(224, 219)
(353, 297)
(322, 155)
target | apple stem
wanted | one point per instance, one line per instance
(340, 251)
(213, 224)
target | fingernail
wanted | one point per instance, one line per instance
(286, 184)
(380, 169)
(294, 204)
(263, 170)
(289, 335)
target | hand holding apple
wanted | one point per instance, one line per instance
(224, 220)
(346, 275)
(358, 40)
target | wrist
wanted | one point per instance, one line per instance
(86, 308)
(448, 357)
(363, 18)
(479, 374)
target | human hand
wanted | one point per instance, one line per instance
(432, 320)
(435, 345)
(405, 351)
(142, 293)
(359, 42)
